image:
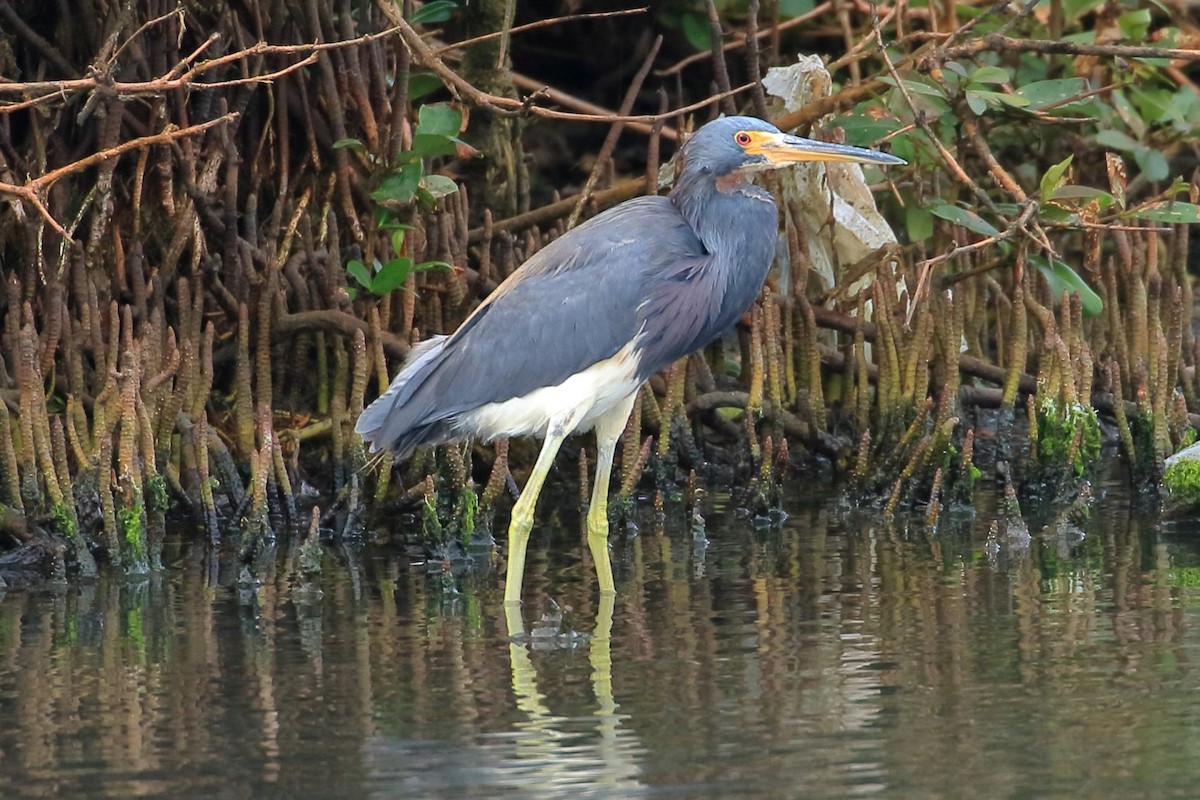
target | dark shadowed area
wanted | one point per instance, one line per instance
(826, 657)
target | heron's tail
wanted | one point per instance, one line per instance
(387, 423)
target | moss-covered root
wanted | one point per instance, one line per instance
(1182, 482)
(492, 490)
(1068, 444)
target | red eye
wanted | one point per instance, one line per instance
(742, 138)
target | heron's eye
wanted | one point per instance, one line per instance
(742, 138)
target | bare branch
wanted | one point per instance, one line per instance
(176, 79)
(169, 134)
(1001, 44)
(34, 190)
(541, 23)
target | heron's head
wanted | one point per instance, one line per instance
(745, 144)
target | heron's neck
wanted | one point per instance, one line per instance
(735, 220)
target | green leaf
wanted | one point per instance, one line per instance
(425, 200)
(864, 130)
(1074, 9)
(433, 11)
(1135, 24)
(427, 266)
(1116, 140)
(794, 8)
(1085, 193)
(918, 221)
(1053, 212)
(1171, 212)
(1152, 102)
(398, 241)
(358, 270)
(1054, 178)
(1046, 93)
(400, 186)
(1062, 278)
(421, 84)
(993, 98)
(917, 84)
(438, 119)
(353, 144)
(1014, 100)
(1152, 163)
(1183, 111)
(968, 219)
(988, 74)
(957, 68)
(1180, 185)
(926, 100)
(697, 31)
(1127, 113)
(976, 102)
(439, 185)
(430, 145)
(391, 276)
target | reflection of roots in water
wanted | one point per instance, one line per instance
(551, 740)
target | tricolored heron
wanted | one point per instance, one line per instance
(565, 342)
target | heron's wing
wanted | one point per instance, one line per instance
(682, 312)
(574, 303)
(692, 301)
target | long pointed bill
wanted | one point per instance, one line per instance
(780, 149)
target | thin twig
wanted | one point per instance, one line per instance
(753, 65)
(1004, 178)
(720, 68)
(811, 112)
(843, 17)
(510, 107)
(578, 104)
(176, 12)
(268, 77)
(510, 15)
(1018, 226)
(861, 50)
(643, 118)
(953, 167)
(614, 133)
(33, 191)
(624, 190)
(168, 134)
(46, 90)
(736, 44)
(541, 23)
(1008, 44)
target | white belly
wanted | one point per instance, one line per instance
(579, 401)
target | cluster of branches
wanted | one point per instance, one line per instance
(167, 170)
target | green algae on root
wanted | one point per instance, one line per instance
(1182, 481)
(1068, 439)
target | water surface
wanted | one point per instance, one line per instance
(830, 656)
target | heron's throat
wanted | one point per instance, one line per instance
(731, 217)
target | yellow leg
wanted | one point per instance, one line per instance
(522, 519)
(600, 655)
(608, 432)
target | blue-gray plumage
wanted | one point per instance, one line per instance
(566, 341)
